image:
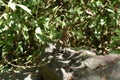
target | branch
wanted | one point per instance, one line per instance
(24, 67)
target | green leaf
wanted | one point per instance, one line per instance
(38, 30)
(24, 8)
(12, 6)
(4, 15)
(110, 10)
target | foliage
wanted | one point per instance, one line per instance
(26, 26)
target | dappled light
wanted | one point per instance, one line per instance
(59, 40)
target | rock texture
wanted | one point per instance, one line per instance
(109, 72)
(95, 67)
